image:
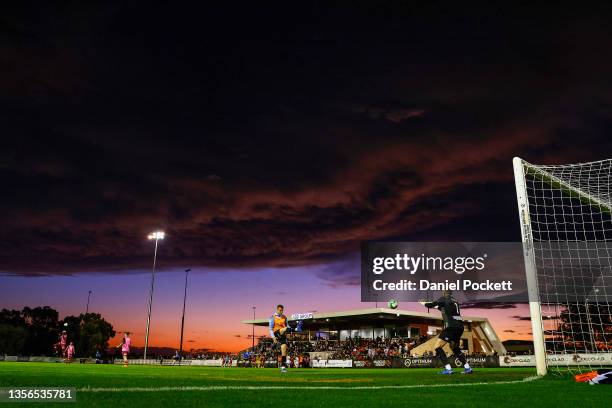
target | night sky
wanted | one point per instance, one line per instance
(271, 141)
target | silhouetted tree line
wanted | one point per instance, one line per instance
(34, 332)
(584, 327)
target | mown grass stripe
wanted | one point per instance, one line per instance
(293, 387)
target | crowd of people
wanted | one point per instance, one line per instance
(352, 348)
(211, 356)
(360, 349)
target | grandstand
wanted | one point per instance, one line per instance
(415, 327)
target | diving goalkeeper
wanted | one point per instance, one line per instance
(453, 329)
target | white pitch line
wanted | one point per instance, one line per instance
(294, 387)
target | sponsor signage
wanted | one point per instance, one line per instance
(409, 362)
(558, 359)
(483, 361)
(210, 363)
(381, 363)
(580, 359)
(413, 362)
(517, 361)
(302, 316)
(331, 363)
(170, 362)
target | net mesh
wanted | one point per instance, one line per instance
(571, 232)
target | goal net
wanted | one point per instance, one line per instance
(566, 225)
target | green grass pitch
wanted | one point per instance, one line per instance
(152, 386)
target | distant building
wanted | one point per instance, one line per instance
(478, 337)
(519, 346)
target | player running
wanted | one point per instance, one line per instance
(279, 327)
(453, 329)
(69, 353)
(125, 344)
(63, 343)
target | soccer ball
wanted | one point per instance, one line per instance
(392, 304)
(66, 324)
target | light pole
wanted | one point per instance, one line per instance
(183, 319)
(157, 235)
(87, 308)
(253, 333)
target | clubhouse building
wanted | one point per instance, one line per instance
(478, 337)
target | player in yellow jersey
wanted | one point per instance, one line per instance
(279, 327)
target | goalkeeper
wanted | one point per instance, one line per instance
(453, 329)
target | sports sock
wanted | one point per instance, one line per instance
(442, 355)
(459, 354)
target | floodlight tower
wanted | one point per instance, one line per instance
(183, 318)
(157, 235)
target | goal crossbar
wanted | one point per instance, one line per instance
(567, 188)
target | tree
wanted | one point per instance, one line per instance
(34, 331)
(29, 331)
(42, 326)
(585, 327)
(89, 332)
(12, 339)
(11, 317)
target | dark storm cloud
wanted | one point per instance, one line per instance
(490, 305)
(343, 272)
(544, 317)
(281, 137)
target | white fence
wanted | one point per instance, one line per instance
(169, 361)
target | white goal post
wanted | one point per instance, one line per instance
(530, 267)
(565, 216)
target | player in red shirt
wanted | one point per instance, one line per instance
(63, 343)
(69, 352)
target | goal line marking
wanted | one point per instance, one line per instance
(295, 387)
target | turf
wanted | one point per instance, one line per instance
(151, 386)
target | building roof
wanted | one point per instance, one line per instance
(518, 342)
(364, 316)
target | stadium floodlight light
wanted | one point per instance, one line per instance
(157, 235)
